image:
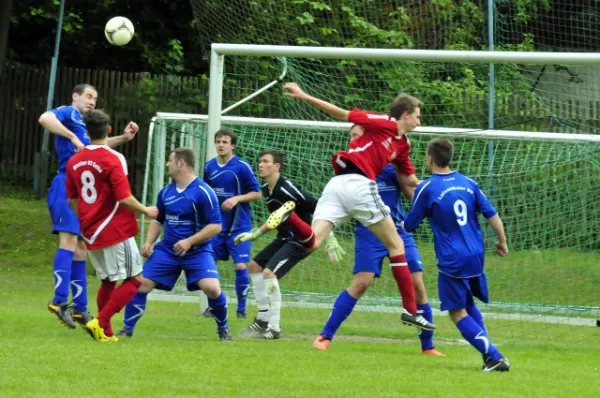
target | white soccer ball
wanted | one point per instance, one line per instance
(119, 31)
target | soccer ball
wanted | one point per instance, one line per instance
(119, 31)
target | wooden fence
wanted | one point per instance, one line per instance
(24, 88)
(23, 96)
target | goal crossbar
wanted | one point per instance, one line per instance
(315, 125)
(384, 54)
(220, 50)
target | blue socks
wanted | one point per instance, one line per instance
(474, 313)
(134, 311)
(62, 275)
(477, 337)
(242, 286)
(218, 308)
(79, 285)
(342, 308)
(426, 336)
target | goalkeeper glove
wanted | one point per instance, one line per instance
(333, 249)
(248, 236)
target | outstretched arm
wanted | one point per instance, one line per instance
(294, 91)
(128, 134)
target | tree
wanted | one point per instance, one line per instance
(5, 7)
(158, 23)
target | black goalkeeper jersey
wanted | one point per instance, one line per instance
(284, 191)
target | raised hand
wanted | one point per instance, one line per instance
(131, 130)
(293, 90)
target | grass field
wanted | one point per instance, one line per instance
(176, 353)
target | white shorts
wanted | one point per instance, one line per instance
(351, 196)
(117, 262)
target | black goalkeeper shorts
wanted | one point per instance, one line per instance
(281, 255)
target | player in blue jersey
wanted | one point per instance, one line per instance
(368, 259)
(236, 186)
(69, 263)
(452, 202)
(188, 210)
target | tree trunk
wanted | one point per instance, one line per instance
(5, 6)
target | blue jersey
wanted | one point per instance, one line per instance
(71, 119)
(389, 190)
(452, 202)
(228, 180)
(184, 213)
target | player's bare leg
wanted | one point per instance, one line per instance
(343, 306)
(217, 303)
(426, 336)
(385, 231)
(59, 305)
(361, 282)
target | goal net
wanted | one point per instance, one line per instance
(544, 185)
(552, 97)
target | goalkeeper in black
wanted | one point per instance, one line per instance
(284, 252)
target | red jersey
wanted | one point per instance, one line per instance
(97, 176)
(379, 145)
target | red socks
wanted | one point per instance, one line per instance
(118, 299)
(104, 292)
(303, 231)
(403, 279)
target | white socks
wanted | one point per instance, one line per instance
(274, 295)
(260, 294)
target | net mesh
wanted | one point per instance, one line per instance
(562, 98)
(546, 193)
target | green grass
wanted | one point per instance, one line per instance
(176, 353)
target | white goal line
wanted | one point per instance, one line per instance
(423, 130)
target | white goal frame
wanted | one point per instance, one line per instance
(220, 50)
(215, 111)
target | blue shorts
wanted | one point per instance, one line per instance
(164, 268)
(224, 246)
(63, 218)
(368, 257)
(458, 293)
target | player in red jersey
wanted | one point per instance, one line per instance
(99, 193)
(352, 193)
